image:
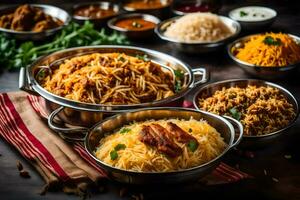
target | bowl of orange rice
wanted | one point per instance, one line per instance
(266, 55)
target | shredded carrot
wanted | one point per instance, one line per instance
(279, 50)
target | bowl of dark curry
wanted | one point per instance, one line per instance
(97, 12)
(135, 26)
(32, 21)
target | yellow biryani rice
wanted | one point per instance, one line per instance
(140, 157)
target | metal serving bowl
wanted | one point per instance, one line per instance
(250, 141)
(258, 24)
(197, 47)
(162, 13)
(269, 73)
(96, 21)
(222, 125)
(87, 114)
(134, 34)
(53, 11)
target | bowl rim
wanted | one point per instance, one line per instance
(160, 33)
(273, 11)
(131, 9)
(228, 147)
(266, 83)
(147, 17)
(246, 64)
(99, 3)
(65, 23)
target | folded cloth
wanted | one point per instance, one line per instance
(22, 124)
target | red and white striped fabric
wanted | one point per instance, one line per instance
(22, 126)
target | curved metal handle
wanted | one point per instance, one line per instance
(66, 133)
(239, 126)
(203, 73)
(24, 83)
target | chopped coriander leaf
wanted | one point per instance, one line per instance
(125, 130)
(121, 59)
(113, 155)
(120, 147)
(235, 113)
(177, 86)
(190, 130)
(143, 57)
(192, 145)
(271, 41)
(243, 13)
(178, 74)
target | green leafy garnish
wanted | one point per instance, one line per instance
(235, 113)
(136, 24)
(122, 59)
(113, 155)
(177, 86)
(269, 40)
(190, 130)
(120, 147)
(243, 13)
(178, 74)
(143, 57)
(125, 130)
(192, 145)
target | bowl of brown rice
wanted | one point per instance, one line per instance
(266, 110)
(198, 32)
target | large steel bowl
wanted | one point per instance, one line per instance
(272, 72)
(197, 47)
(250, 141)
(222, 125)
(30, 35)
(87, 114)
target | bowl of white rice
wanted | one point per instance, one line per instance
(198, 32)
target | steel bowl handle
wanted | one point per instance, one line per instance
(240, 128)
(65, 132)
(24, 82)
(201, 75)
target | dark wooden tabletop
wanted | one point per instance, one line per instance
(273, 159)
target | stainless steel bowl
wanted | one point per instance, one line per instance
(98, 22)
(107, 126)
(30, 35)
(269, 73)
(250, 141)
(255, 25)
(87, 114)
(134, 34)
(162, 13)
(197, 47)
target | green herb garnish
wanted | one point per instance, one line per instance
(177, 86)
(125, 130)
(235, 113)
(136, 24)
(271, 41)
(190, 130)
(120, 147)
(121, 59)
(178, 74)
(192, 145)
(113, 155)
(243, 13)
(143, 57)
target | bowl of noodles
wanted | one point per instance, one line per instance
(266, 55)
(266, 110)
(198, 32)
(161, 145)
(86, 84)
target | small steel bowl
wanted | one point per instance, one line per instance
(163, 12)
(134, 34)
(255, 25)
(269, 73)
(30, 35)
(197, 47)
(222, 125)
(98, 22)
(250, 142)
(213, 6)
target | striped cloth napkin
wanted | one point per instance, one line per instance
(22, 125)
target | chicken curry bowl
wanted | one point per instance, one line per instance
(112, 79)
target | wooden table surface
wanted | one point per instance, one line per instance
(272, 159)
